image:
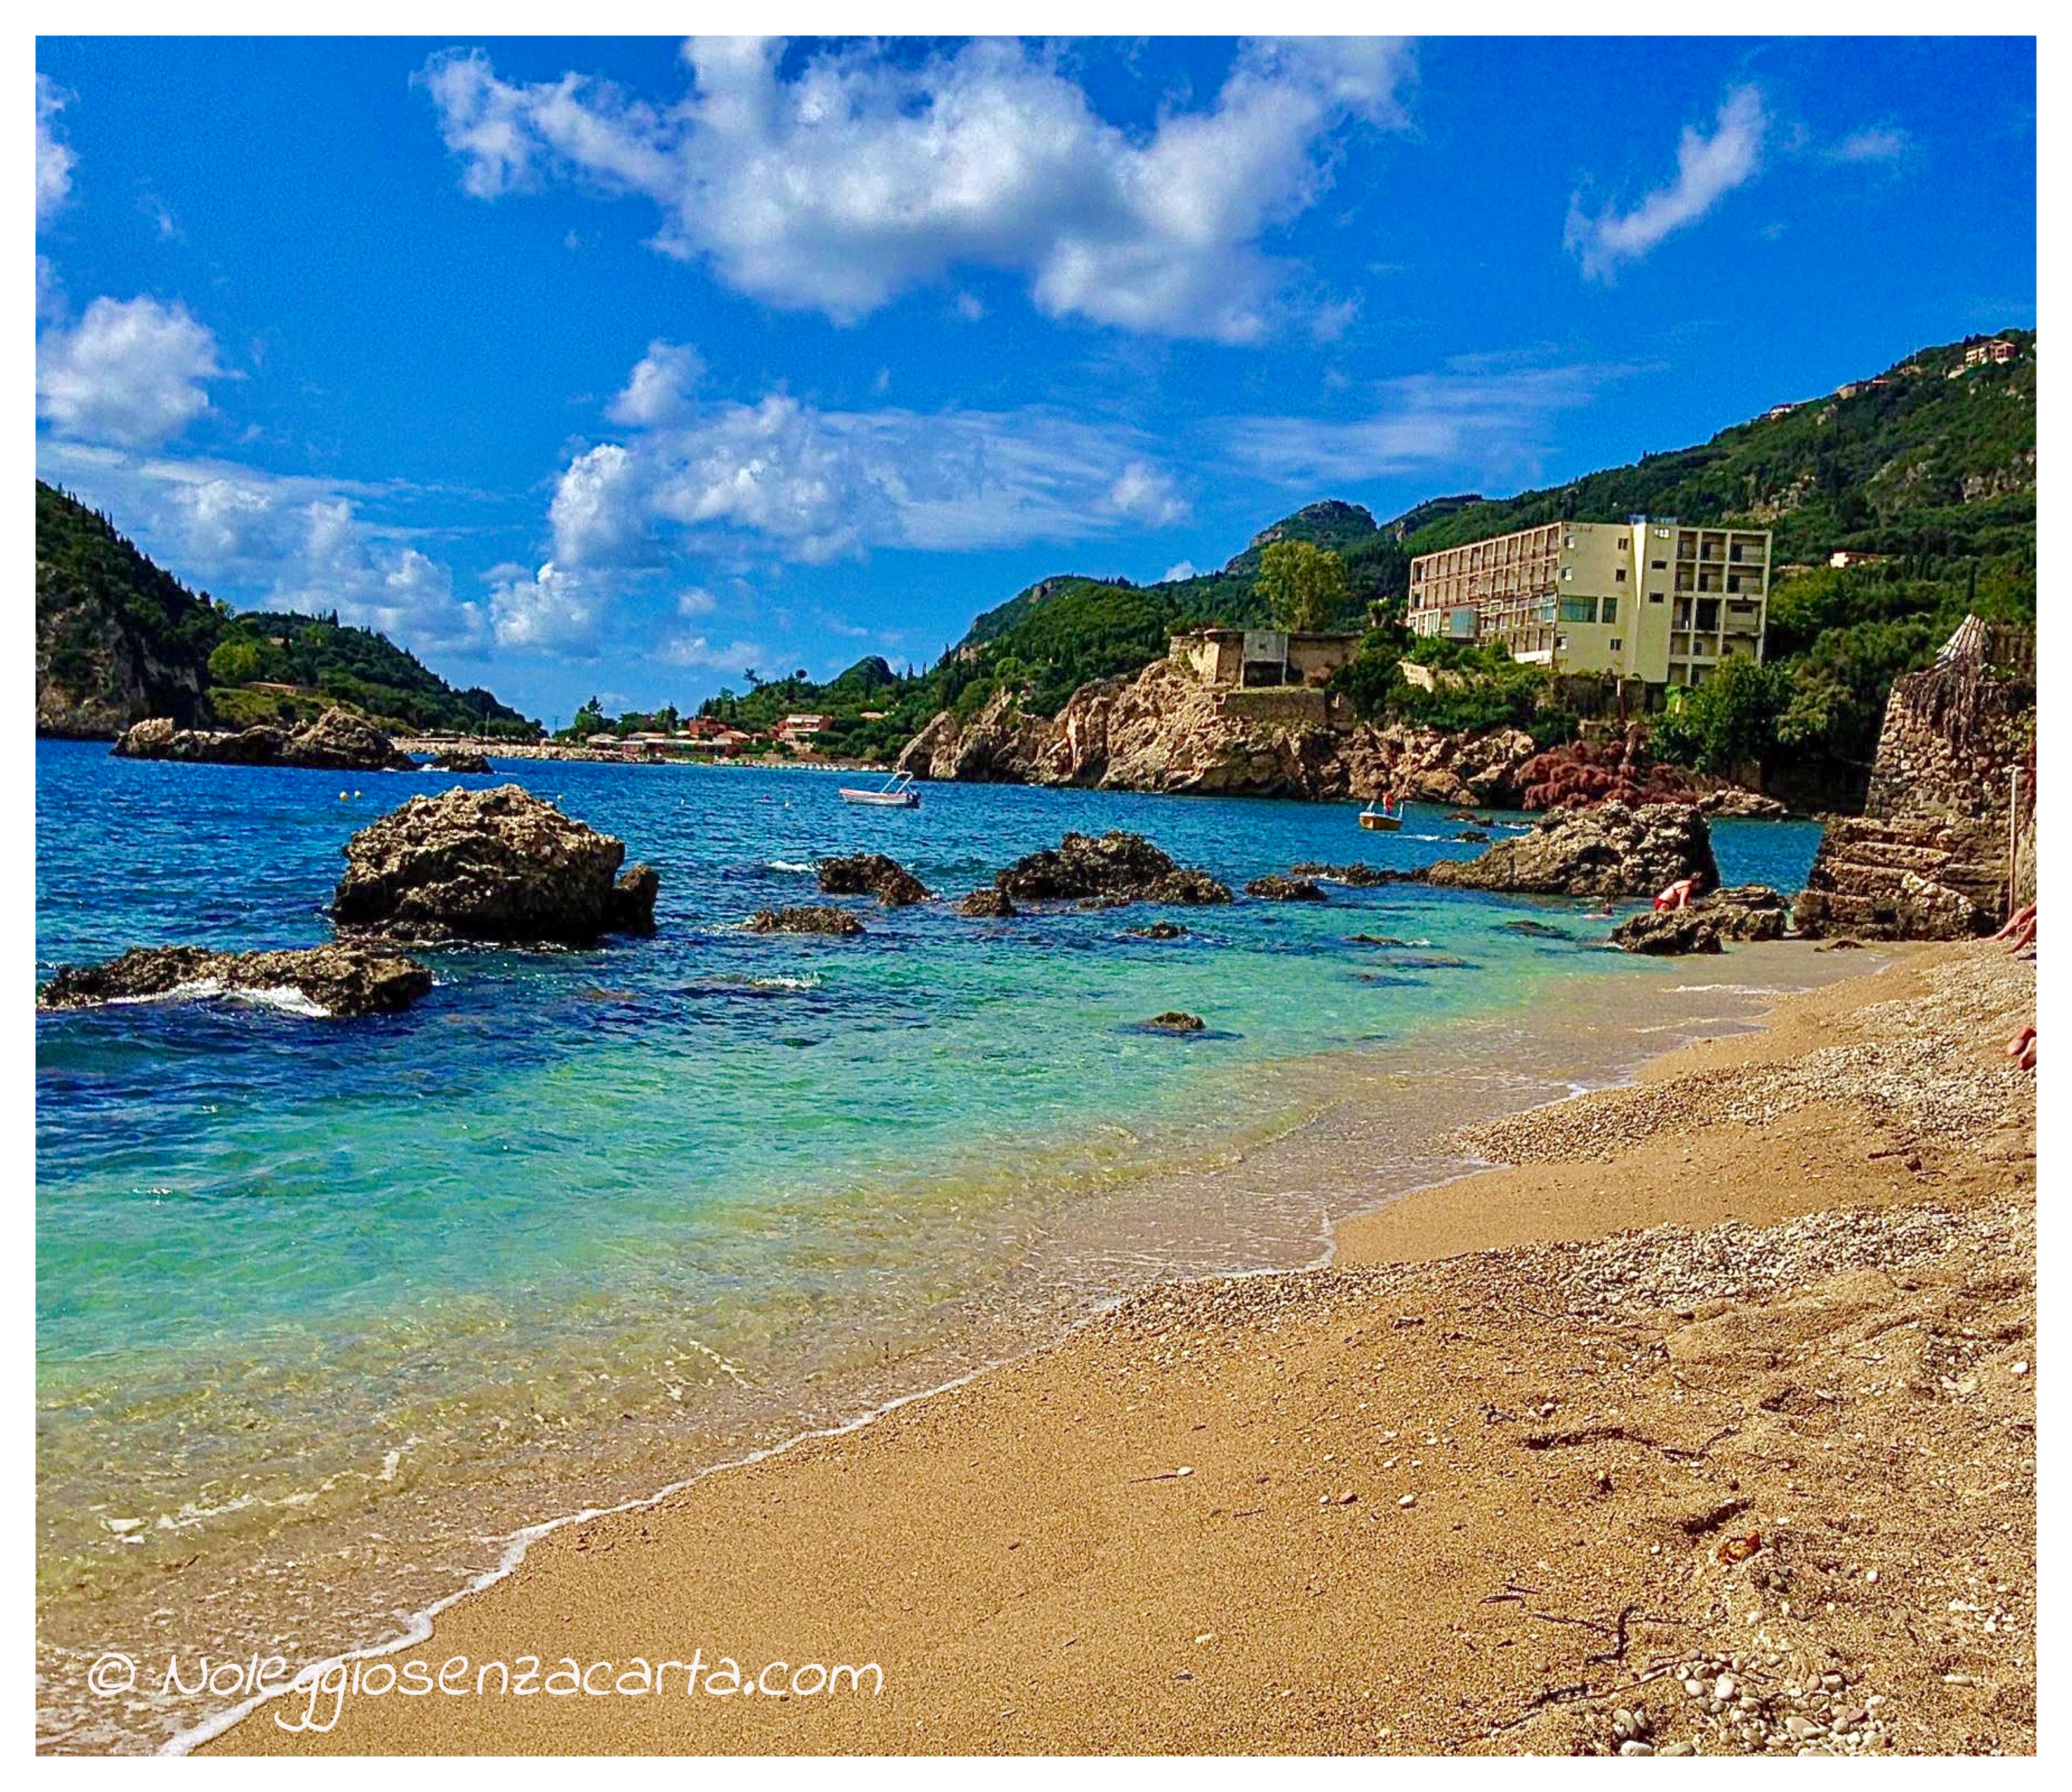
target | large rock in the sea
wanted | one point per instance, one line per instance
(872, 874)
(337, 741)
(986, 904)
(837, 924)
(1611, 850)
(1274, 888)
(500, 864)
(462, 759)
(1744, 912)
(1116, 868)
(334, 980)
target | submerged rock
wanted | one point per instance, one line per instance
(335, 980)
(1745, 912)
(1159, 930)
(1275, 889)
(822, 918)
(337, 741)
(1174, 1020)
(1538, 929)
(986, 904)
(1116, 868)
(1473, 836)
(1609, 850)
(872, 874)
(1357, 875)
(500, 864)
(462, 759)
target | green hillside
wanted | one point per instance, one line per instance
(118, 638)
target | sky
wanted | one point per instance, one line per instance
(624, 366)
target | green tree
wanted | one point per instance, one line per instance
(1304, 585)
(1728, 722)
(237, 662)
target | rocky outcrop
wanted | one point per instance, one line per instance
(872, 874)
(836, 924)
(1174, 1020)
(1357, 875)
(1116, 868)
(1164, 730)
(986, 905)
(1611, 850)
(1744, 912)
(1276, 888)
(1731, 802)
(462, 759)
(1159, 930)
(1905, 878)
(340, 980)
(337, 741)
(1951, 800)
(501, 864)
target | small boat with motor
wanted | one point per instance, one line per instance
(1386, 820)
(899, 793)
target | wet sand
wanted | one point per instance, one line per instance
(1505, 1474)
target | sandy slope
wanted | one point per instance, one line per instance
(1502, 1501)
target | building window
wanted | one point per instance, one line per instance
(1579, 610)
(1619, 576)
(1567, 572)
(1617, 643)
(1610, 612)
(1659, 565)
(1623, 543)
(1654, 596)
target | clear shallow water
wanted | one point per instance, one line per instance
(580, 1217)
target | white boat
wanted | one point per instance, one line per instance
(899, 793)
(1384, 819)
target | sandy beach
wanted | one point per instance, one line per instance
(1707, 1425)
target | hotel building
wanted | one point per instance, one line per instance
(1649, 599)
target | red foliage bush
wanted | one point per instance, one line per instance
(1580, 775)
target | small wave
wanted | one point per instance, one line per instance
(784, 983)
(282, 998)
(1727, 988)
(795, 866)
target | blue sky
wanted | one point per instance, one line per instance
(623, 366)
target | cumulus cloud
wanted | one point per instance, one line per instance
(132, 371)
(1708, 168)
(695, 650)
(860, 177)
(1179, 569)
(597, 512)
(659, 389)
(1147, 495)
(551, 611)
(54, 160)
(697, 602)
(290, 543)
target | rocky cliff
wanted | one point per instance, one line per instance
(101, 665)
(1164, 731)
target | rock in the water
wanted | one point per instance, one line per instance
(1745, 912)
(1118, 867)
(1275, 889)
(334, 980)
(1538, 929)
(337, 741)
(1746, 805)
(1473, 836)
(986, 904)
(500, 864)
(1159, 930)
(462, 759)
(1357, 875)
(1609, 850)
(872, 874)
(836, 922)
(1173, 1020)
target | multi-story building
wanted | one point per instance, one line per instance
(1649, 599)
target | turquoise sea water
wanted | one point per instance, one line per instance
(581, 1214)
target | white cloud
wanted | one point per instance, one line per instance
(659, 388)
(695, 650)
(292, 544)
(130, 372)
(697, 602)
(1179, 569)
(1480, 419)
(54, 160)
(1708, 168)
(1886, 143)
(596, 512)
(552, 610)
(1147, 495)
(862, 177)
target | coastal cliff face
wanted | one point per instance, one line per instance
(1164, 731)
(96, 673)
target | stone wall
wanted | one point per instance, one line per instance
(1952, 792)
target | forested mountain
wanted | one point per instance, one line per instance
(119, 639)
